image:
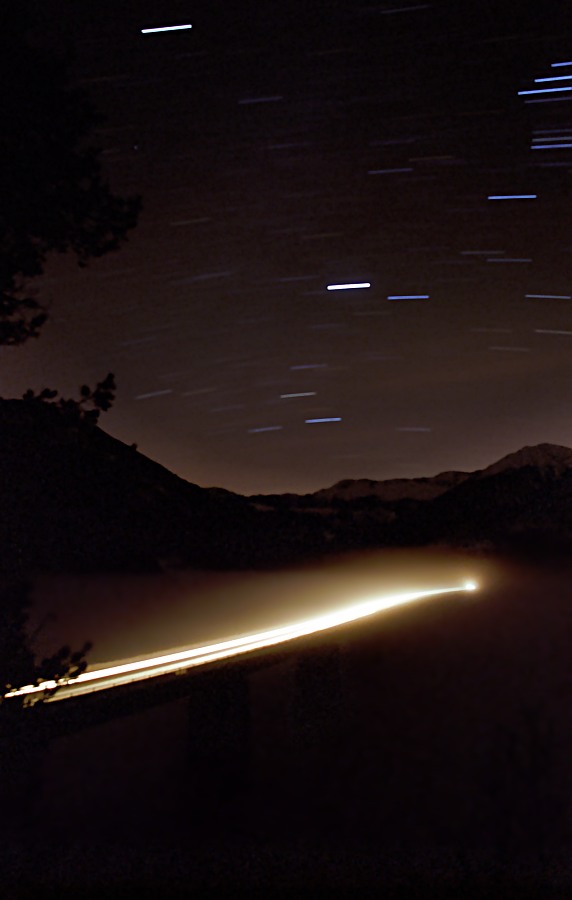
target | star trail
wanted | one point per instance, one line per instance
(304, 168)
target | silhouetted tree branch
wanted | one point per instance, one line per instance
(23, 734)
(54, 196)
(53, 199)
(18, 666)
(75, 411)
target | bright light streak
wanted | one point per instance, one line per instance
(265, 428)
(546, 90)
(165, 28)
(558, 65)
(128, 672)
(554, 78)
(348, 287)
(549, 146)
(330, 419)
(512, 196)
(299, 394)
(550, 331)
(548, 296)
(409, 297)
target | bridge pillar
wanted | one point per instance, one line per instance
(219, 736)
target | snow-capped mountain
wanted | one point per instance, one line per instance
(392, 489)
(550, 457)
(77, 499)
(524, 497)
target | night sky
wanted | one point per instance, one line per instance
(281, 147)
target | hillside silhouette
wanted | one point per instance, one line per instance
(73, 498)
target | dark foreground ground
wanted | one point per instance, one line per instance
(426, 756)
(284, 872)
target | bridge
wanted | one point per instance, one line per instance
(214, 683)
(169, 670)
(380, 731)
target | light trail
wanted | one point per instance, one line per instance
(154, 394)
(550, 100)
(298, 394)
(349, 287)
(512, 196)
(548, 297)
(550, 146)
(551, 331)
(319, 421)
(510, 349)
(545, 91)
(553, 78)
(551, 130)
(309, 366)
(127, 672)
(165, 28)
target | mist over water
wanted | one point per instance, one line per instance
(127, 616)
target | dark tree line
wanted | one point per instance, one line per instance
(54, 195)
(53, 199)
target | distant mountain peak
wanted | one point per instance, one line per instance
(542, 456)
(392, 489)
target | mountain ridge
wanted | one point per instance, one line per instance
(553, 456)
(521, 502)
(74, 498)
(544, 455)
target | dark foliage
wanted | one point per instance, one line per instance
(75, 411)
(54, 199)
(18, 666)
(16, 657)
(54, 196)
(23, 733)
